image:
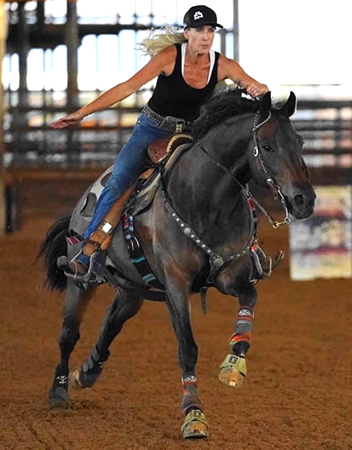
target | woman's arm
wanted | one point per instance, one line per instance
(162, 62)
(228, 68)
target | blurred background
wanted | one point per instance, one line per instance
(58, 55)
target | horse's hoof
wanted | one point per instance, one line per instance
(231, 377)
(73, 379)
(233, 371)
(58, 398)
(195, 425)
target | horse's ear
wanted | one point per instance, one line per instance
(290, 106)
(265, 103)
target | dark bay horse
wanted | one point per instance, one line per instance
(198, 231)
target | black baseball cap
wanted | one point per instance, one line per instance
(200, 15)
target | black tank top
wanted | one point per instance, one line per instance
(174, 97)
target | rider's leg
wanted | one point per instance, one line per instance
(128, 166)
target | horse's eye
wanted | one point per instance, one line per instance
(267, 148)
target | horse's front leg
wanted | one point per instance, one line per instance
(234, 369)
(75, 305)
(195, 424)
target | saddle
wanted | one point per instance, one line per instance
(165, 151)
(161, 149)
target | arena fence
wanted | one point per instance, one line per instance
(326, 127)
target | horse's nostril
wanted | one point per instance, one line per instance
(299, 200)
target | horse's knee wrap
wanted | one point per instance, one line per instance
(243, 330)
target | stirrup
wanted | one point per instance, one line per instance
(89, 277)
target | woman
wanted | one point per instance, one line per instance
(187, 73)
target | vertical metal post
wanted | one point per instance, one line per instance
(223, 35)
(20, 119)
(3, 35)
(23, 38)
(236, 47)
(40, 14)
(72, 43)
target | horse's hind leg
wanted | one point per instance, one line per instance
(234, 369)
(123, 308)
(75, 305)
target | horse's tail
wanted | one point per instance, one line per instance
(53, 246)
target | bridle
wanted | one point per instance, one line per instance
(269, 179)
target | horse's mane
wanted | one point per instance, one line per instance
(221, 107)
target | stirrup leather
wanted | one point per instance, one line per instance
(98, 240)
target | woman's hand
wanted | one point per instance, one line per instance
(256, 89)
(70, 119)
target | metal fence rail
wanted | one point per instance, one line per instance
(326, 127)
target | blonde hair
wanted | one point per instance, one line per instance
(159, 39)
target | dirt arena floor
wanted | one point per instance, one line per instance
(297, 396)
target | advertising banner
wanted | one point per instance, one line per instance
(320, 247)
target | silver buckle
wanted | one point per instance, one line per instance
(179, 127)
(107, 227)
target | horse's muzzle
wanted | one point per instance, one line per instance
(301, 202)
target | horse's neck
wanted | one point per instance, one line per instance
(229, 146)
(207, 194)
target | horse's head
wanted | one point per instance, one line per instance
(277, 159)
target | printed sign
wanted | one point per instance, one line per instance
(321, 245)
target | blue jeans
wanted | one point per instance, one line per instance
(129, 165)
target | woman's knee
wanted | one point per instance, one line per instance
(114, 183)
(119, 182)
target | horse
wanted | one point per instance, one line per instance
(199, 231)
